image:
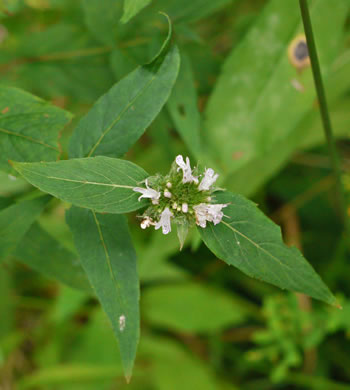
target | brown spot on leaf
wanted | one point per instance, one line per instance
(5, 110)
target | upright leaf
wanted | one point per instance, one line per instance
(132, 7)
(183, 107)
(15, 222)
(100, 183)
(41, 252)
(121, 116)
(109, 260)
(29, 127)
(255, 102)
(247, 239)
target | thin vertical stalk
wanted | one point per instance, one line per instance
(327, 126)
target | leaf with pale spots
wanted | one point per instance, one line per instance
(109, 260)
(250, 241)
(29, 127)
(100, 183)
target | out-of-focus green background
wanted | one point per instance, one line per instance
(204, 325)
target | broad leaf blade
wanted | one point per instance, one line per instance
(250, 241)
(40, 251)
(255, 103)
(133, 7)
(109, 260)
(29, 127)
(100, 183)
(121, 116)
(15, 222)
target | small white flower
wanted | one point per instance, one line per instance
(167, 194)
(208, 212)
(168, 184)
(147, 192)
(147, 222)
(208, 180)
(186, 169)
(164, 221)
(174, 205)
(184, 207)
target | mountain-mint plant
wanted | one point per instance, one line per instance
(99, 187)
(183, 196)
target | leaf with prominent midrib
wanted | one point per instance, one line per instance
(250, 241)
(100, 183)
(41, 252)
(15, 222)
(120, 117)
(109, 260)
(29, 127)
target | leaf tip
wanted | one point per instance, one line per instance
(128, 374)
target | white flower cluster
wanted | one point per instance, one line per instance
(201, 212)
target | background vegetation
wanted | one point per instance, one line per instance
(238, 105)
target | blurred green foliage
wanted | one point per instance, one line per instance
(203, 325)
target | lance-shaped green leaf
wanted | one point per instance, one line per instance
(132, 7)
(15, 222)
(100, 183)
(109, 260)
(29, 127)
(247, 239)
(40, 251)
(121, 116)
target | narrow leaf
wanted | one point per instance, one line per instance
(29, 127)
(120, 117)
(15, 222)
(132, 7)
(247, 239)
(41, 252)
(109, 260)
(100, 183)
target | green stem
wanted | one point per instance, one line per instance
(327, 126)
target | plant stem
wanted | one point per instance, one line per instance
(327, 126)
